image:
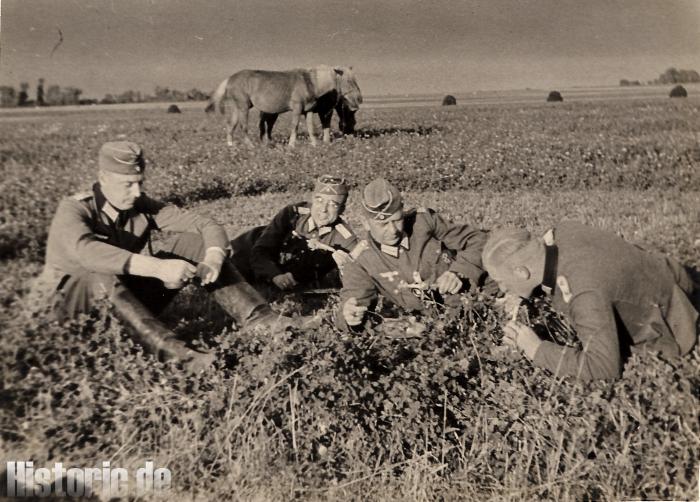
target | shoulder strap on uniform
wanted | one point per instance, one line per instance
(359, 248)
(303, 210)
(82, 195)
(343, 230)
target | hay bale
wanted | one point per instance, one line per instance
(173, 109)
(554, 96)
(678, 92)
(449, 100)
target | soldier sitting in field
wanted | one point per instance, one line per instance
(617, 296)
(303, 245)
(407, 253)
(96, 249)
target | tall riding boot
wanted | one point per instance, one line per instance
(247, 307)
(152, 334)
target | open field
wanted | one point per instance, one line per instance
(321, 415)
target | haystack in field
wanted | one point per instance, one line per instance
(678, 92)
(554, 96)
(449, 100)
(173, 109)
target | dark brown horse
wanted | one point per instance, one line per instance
(324, 108)
(280, 91)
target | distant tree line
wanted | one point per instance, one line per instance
(670, 76)
(59, 96)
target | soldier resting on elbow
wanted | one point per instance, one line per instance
(96, 247)
(617, 296)
(406, 253)
(303, 245)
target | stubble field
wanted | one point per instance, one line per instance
(324, 415)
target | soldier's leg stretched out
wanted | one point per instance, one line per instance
(76, 294)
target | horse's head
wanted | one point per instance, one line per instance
(348, 88)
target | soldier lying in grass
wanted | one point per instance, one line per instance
(617, 296)
(303, 244)
(96, 250)
(406, 254)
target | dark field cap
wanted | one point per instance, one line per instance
(332, 185)
(121, 157)
(381, 199)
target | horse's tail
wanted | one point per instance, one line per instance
(217, 99)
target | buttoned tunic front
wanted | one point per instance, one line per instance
(90, 243)
(430, 247)
(287, 245)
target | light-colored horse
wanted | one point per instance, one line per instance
(281, 91)
(324, 108)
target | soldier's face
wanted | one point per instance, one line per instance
(325, 208)
(517, 280)
(121, 190)
(388, 231)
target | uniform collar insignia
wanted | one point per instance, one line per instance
(109, 210)
(103, 205)
(394, 250)
(311, 226)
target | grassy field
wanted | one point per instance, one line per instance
(322, 415)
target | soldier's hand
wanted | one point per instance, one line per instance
(449, 282)
(341, 258)
(284, 281)
(209, 269)
(175, 273)
(510, 304)
(518, 335)
(352, 312)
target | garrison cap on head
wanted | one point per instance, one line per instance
(380, 199)
(121, 157)
(505, 244)
(332, 185)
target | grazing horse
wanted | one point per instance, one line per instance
(280, 91)
(324, 108)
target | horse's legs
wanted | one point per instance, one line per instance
(233, 122)
(243, 121)
(326, 117)
(267, 119)
(310, 127)
(296, 113)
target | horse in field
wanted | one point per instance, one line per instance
(324, 108)
(275, 92)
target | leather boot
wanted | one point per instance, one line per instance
(248, 308)
(152, 334)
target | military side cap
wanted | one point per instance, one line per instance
(380, 199)
(121, 157)
(504, 244)
(332, 185)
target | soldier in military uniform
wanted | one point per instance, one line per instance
(407, 253)
(618, 297)
(304, 242)
(96, 249)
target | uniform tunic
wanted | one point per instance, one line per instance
(430, 247)
(617, 296)
(283, 246)
(90, 244)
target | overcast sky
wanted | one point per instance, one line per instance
(395, 46)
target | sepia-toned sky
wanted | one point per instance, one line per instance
(395, 46)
